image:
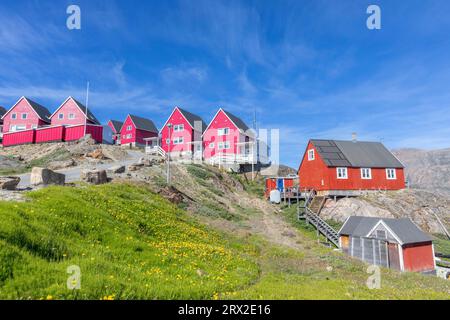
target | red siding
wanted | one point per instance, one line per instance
(77, 132)
(418, 257)
(316, 175)
(211, 136)
(20, 137)
(188, 134)
(137, 135)
(67, 108)
(50, 134)
(21, 107)
(271, 184)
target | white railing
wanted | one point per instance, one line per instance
(155, 150)
(233, 159)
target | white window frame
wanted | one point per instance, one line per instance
(366, 173)
(178, 127)
(223, 131)
(71, 116)
(311, 155)
(60, 116)
(22, 116)
(344, 171)
(13, 116)
(129, 128)
(211, 145)
(390, 176)
(129, 136)
(226, 145)
(178, 140)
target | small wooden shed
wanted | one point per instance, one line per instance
(393, 243)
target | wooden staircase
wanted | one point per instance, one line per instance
(310, 212)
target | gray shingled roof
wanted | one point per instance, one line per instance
(403, 228)
(42, 111)
(83, 109)
(117, 125)
(359, 154)
(143, 124)
(192, 118)
(237, 121)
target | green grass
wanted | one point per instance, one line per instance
(128, 242)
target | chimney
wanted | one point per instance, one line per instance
(354, 137)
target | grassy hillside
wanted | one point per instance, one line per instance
(128, 242)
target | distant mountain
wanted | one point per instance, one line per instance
(428, 170)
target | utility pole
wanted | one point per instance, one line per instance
(87, 113)
(169, 125)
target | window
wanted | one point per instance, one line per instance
(178, 127)
(381, 234)
(366, 173)
(223, 131)
(211, 145)
(167, 141)
(224, 145)
(24, 116)
(129, 128)
(71, 116)
(311, 155)
(342, 173)
(129, 136)
(178, 140)
(391, 174)
(14, 116)
(61, 116)
(18, 128)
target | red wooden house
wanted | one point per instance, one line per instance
(394, 243)
(115, 127)
(135, 129)
(25, 114)
(71, 121)
(227, 139)
(333, 166)
(184, 132)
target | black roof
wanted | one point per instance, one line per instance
(2, 111)
(404, 229)
(359, 154)
(90, 115)
(143, 124)
(237, 121)
(192, 118)
(42, 111)
(117, 125)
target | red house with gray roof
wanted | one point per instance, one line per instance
(135, 129)
(71, 113)
(115, 126)
(227, 139)
(185, 132)
(25, 114)
(394, 243)
(334, 165)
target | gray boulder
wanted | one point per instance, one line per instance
(9, 183)
(55, 165)
(94, 176)
(117, 169)
(42, 176)
(135, 166)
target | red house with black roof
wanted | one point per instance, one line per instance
(71, 113)
(335, 165)
(25, 114)
(135, 129)
(227, 139)
(182, 133)
(115, 126)
(2, 113)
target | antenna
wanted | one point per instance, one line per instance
(87, 113)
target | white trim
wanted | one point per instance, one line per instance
(369, 173)
(215, 116)
(434, 257)
(313, 152)
(400, 253)
(346, 220)
(29, 104)
(395, 174)
(65, 101)
(387, 228)
(346, 173)
(174, 109)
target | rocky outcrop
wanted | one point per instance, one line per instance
(135, 167)
(418, 205)
(56, 165)
(117, 169)
(43, 176)
(9, 183)
(94, 176)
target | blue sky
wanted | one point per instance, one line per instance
(309, 68)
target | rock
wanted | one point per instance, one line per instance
(135, 166)
(9, 183)
(46, 177)
(94, 176)
(55, 165)
(117, 169)
(145, 162)
(96, 154)
(87, 139)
